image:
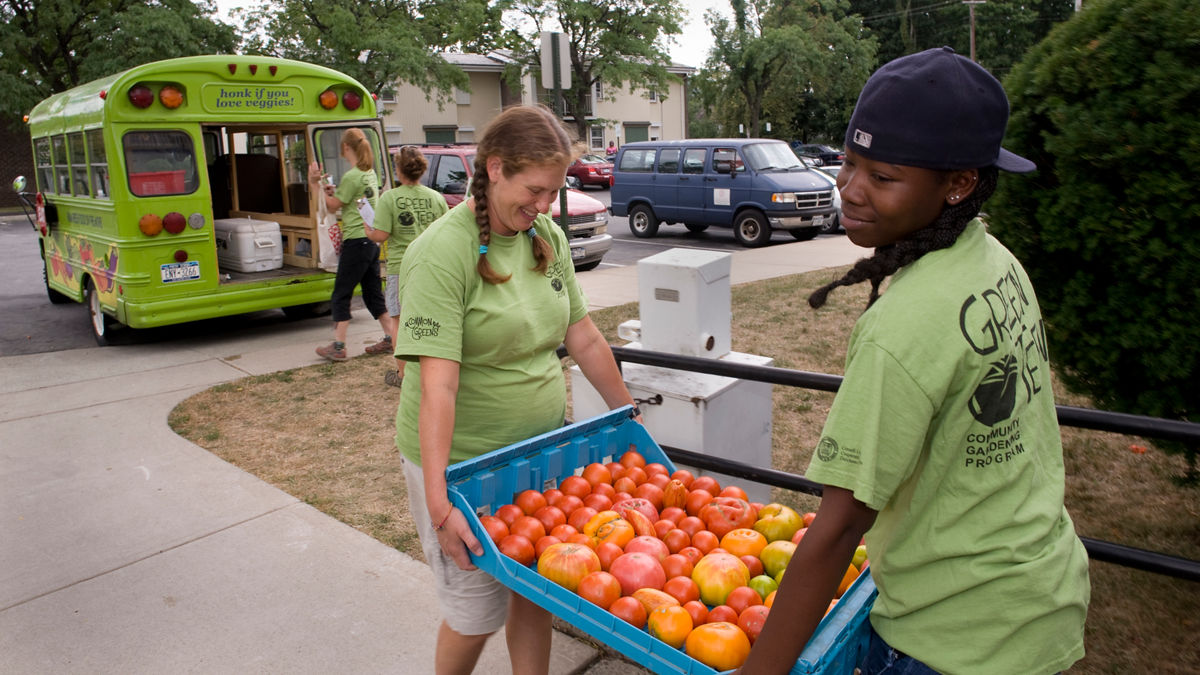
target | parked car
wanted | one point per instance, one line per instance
(449, 172)
(753, 185)
(827, 154)
(592, 170)
(834, 226)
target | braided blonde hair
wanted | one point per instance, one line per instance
(521, 136)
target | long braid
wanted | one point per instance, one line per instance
(479, 186)
(942, 233)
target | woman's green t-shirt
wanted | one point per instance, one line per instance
(355, 183)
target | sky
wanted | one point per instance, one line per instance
(690, 48)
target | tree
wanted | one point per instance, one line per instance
(1004, 29)
(49, 46)
(1109, 227)
(610, 41)
(378, 42)
(799, 62)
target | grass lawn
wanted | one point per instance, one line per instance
(328, 440)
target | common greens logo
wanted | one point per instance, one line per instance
(420, 326)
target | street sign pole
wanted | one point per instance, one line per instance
(554, 47)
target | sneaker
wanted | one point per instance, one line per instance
(332, 352)
(384, 346)
(392, 378)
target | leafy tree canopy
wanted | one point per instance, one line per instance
(613, 42)
(1109, 226)
(48, 46)
(796, 63)
(378, 42)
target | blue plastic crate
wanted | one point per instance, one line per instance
(481, 485)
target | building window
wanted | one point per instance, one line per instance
(653, 96)
(597, 137)
(597, 90)
(387, 96)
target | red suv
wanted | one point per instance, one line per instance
(449, 171)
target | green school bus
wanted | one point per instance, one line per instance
(177, 190)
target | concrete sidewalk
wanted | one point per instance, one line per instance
(126, 549)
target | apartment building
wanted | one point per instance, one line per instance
(409, 117)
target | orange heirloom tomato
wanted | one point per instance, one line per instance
(671, 624)
(609, 526)
(744, 541)
(566, 564)
(720, 645)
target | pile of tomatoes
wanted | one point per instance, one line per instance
(694, 563)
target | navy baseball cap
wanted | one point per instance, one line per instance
(935, 110)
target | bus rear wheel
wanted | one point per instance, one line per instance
(102, 324)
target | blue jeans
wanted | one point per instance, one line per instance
(883, 660)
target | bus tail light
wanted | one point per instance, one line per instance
(141, 96)
(351, 100)
(150, 224)
(173, 222)
(328, 99)
(170, 96)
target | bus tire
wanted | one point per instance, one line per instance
(642, 222)
(102, 324)
(55, 297)
(751, 229)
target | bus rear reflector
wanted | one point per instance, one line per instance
(170, 96)
(351, 100)
(173, 222)
(181, 256)
(328, 99)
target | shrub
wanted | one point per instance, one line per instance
(1109, 226)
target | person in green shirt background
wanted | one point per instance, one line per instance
(358, 264)
(401, 214)
(489, 295)
(942, 448)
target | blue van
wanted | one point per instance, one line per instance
(754, 185)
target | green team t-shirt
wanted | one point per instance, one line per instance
(404, 212)
(504, 336)
(945, 424)
(355, 183)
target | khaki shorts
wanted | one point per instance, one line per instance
(472, 602)
(391, 296)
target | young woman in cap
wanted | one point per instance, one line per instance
(942, 446)
(489, 295)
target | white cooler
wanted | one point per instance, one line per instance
(248, 245)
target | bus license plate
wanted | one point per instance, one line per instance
(184, 271)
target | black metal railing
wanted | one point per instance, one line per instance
(1083, 418)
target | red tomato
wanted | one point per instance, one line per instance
(577, 486)
(540, 546)
(733, 491)
(644, 506)
(529, 527)
(676, 540)
(633, 458)
(722, 613)
(509, 513)
(530, 501)
(751, 620)
(742, 598)
(624, 484)
(562, 531)
(706, 483)
(649, 545)
(696, 499)
(724, 514)
(682, 589)
(600, 588)
(579, 538)
(677, 565)
(692, 553)
(553, 496)
(630, 610)
(579, 517)
(673, 514)
(569, 504)
(651, 493)
(495, 528)
(637, 474)
(638, 570)
(608, 552)
(659, 480)
(662, 527)
(617, 469)
(596, 473)
(691, 525)
(753, 564)
(684, 476)
(518, 548)
(698, 611)
(550, 516)
(598, 501)
(705, 541)
(605, 489)
(656, 468)
(566, 564)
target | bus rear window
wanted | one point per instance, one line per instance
(160, 163)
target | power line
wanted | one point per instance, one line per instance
(914, 10)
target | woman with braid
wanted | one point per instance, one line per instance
(489, 295)
(942, 446)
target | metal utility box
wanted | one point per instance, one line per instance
(684, 301)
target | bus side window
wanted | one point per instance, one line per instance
(99, 163)
(45, 165)
(62, 171)
(79, 164)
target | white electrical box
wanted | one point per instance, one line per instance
(684, 302)
(708, 414)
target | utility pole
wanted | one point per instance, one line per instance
(971, 6)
